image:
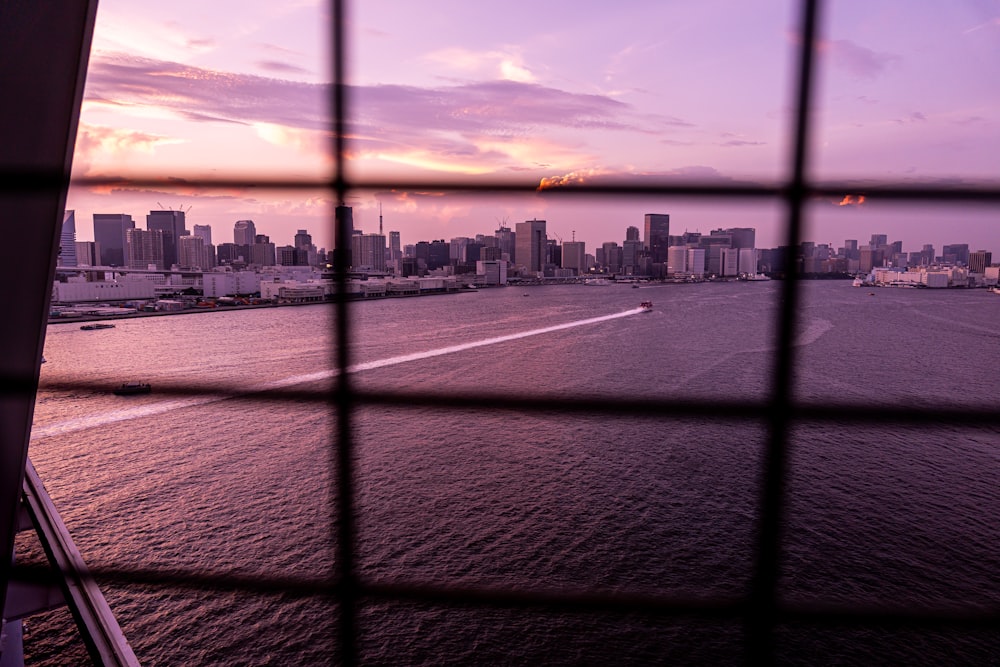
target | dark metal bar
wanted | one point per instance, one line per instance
(761, 619)
(98, 627)
(344, 522)
(44, 48)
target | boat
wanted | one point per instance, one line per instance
(647, 306)
(132, 388)
(99, 325)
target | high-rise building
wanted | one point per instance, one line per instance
(979, 260)
(612, 257)
(656, 237)
(109, 235)
(631, 254)
(87, 253)
(204, 232)
(67, 240)
(878, 241)
(244, 232)
(531, 245)
(369, 252)
(742, 237)
(395, 249)
(507, 241)
(144, 248)
(343, 237)
(677, 259)
(192, 253)
(956, 253)
(574, 256)
(696, 262)
(171, 223)
(631, 233)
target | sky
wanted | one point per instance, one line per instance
(541, 94)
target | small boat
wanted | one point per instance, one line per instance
(132, 388)
(647, 306)
(99, 325)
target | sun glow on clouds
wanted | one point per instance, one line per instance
(484, 64)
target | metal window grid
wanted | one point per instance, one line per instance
(761, 610)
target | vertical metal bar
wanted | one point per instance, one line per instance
(343, 462)
(44, 47)
(761, 615)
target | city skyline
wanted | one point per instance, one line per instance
(180, 92)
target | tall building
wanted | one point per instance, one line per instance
(574, 256)
(530, 245)
(631, 233)
(742, 237)
(656, 239)
(956, 253)
(244, 232)
(144, 249)
(262, 251)
(86, 254)
(192, 253)
(612, 257)
(677, 259)
(631, 253)
(979, 260)
(171, 223)
(109, 235)
(67, 240)
(369, 252)
(395, 250)
(343, 237)
(507, 241)
(204, 232)
(878, 240)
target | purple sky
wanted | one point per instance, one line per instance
(543, 92)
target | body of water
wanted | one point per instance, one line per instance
(876, 515)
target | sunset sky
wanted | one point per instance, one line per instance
(555, 92)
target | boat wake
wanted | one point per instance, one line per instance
(160, 407)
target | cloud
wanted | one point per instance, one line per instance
(597, 177)
(198, 93)
(93, 139)
(280, 67)
(856, 60)
(504, 65)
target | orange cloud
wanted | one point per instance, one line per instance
(852, 200)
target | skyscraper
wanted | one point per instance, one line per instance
(109, 235)
(530, 245)
(343, 238)
(244, 232)
(171, 223)
(144, 248)
(656, 237)
(574, 256)
(67, 240)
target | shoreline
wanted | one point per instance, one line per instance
(229, 308)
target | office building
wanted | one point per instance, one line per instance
(109, 235)
(244, 232)
(979, 260)
(67, 240)
(531, 245)
(656, 239)
(144, 248)
(574, 256)
(171, 223)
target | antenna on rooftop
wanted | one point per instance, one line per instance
(380, 218)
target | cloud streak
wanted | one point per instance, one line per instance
(496, 124)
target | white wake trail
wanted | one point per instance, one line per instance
(153, 409)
